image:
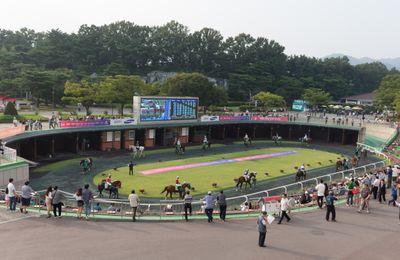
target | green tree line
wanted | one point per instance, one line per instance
(42, 62)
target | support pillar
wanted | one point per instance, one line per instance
(237, 132)
(34, 149)
(223, 132)
(328, 136)
(52, 152)
(272, 132)
(77, 143)
(343, 136)
(254, 132)
(149, 138)
(290, 133)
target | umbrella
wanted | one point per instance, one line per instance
(357, 108)
(337, 107)
(347, 107)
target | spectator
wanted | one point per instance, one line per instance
(57, 201)
(284, 208)
(188, 204)
(350, 186)
(382, 191)
(320, 193)
(134, 202)
(7, 199)
(79, 202)
(375, 187)
(209, 206)
(365, 196)
(12, 194)
(48, 200)
(97, 207)
(330, 206)
(262, 228)
(394, 195)
(26, 192)
(389, 176)
(87, 197)
(222, 205)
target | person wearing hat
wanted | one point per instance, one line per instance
(330, 206)
(262, 228)
(209, 206)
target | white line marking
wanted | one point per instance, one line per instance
(16, 219)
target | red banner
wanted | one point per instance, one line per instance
(270, 118)
(83, 123)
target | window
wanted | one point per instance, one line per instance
(109, 136)
(131, 134)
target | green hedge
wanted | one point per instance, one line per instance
(9, 119)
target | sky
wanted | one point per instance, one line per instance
(360, 28)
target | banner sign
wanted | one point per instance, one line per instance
(123, 121)
(233, 118)
(209, 118)
(270, 118)
(82, 123)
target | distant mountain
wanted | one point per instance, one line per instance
(389, 62)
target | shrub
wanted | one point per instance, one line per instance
(10, 109)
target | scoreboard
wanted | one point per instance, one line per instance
(168, 108)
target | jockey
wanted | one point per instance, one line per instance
(246, 137)
(246, 174)
(178, 184)
(305, 138)
(178, 143)
(205, 141)
(108, 181)
(303, 168)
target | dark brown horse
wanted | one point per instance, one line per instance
(171, 189)
(242, 179)
(113, 189)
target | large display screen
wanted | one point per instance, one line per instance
(164, 109)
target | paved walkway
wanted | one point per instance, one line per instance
(308, 236)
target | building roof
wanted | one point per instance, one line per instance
(365, 96)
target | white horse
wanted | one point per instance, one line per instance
(138, 151)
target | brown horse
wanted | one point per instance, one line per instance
(171, 189)
(242, 179)
(113, 189)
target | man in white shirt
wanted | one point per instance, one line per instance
(134, 202)
(12, 194)
(320, 193)
(284, 208)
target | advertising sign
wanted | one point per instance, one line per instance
(79, 123)
(299, 105)
(233, 118)
(209, 118)
(123, 121)
(166, 109)
(270, 118)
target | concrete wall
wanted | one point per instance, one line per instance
(19, 172)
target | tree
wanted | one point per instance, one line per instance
(195, 85)
(269, 100)
(83, 92)
(316, 96)
(10, 109)
(120, 89)
(388, 90)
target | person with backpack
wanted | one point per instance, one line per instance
(330, 206)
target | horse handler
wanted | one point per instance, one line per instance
(134, 202)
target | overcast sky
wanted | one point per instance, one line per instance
(312, 27)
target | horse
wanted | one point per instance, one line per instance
(170, 189)
(113, 189)
(300, 175)
(180, 149)
(206, 146)
(304, 140)
(277, 139)
(246, 141)
(339, 165)
(86, 164)
(138, 151)
(242, 179)
(354, 161)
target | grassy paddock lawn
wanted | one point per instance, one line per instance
(202, 178)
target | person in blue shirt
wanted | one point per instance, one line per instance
(394, 195)
(330, 206)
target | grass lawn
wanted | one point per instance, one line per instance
(203, 178)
